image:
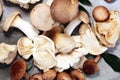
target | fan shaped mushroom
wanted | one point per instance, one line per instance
(7, 53)
(89, 40)
(14, 20)
(108, 32)
(25, 47)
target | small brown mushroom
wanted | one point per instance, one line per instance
(37, 76)
(109, 1)
(49, 75)
(90, 66)
(101, 13)
(64, 11)
(63, 76)
(18, 70)
(77, 75)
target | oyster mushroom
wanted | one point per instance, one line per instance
(41, 18)
(25, 47)
(81, 17)
(14, 20)
(24, 3)
(7, 53)
(89, 40)
(108, 32)
(44, 53)
(64, 11)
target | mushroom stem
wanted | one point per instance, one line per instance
(25, 27)
(71, 26)
(97, 58)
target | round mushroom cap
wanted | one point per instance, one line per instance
(101, 13)
(8, 21)
(41, 18)
(37, 76)
(64, 11)
(1, 11)
(18, 69)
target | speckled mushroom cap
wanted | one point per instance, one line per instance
(8, 21)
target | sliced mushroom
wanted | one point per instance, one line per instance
(89, 40)
(14, 20)
(41, 18)
(81, 17)
(25, 47)
(64, 11)
(108, 32)
(7, 53)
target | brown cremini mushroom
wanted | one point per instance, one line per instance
(37, 76)
(63, 76)
(18, 70)
(90, 66)
(64, 11)
(100, 13)
(77, 75)
(49, 75)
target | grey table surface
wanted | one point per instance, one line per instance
(11, 37)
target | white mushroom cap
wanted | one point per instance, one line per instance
(108, 32)
(89, 40)
(41, 18)
(25, 47)
(7, 53)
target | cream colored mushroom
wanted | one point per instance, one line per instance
(24, 3)
(25, 47)
(81, 17)
(108, 32)
(7, 53)
(14, 20)
(41, 18)
(89, 40)
(44, 53)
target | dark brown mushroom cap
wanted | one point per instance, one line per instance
(101, 13)
(90, 67)
(18, 69)
(64, 11)
(8, 21)
(63, 76)
(37, 76)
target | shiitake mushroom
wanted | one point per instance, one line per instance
(100, 13)
(64, 11)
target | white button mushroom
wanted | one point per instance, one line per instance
(81, 17)
(89, 40)
(14, 20)
(7, 53)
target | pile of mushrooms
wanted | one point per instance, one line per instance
(56, 48)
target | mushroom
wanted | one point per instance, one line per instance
(77, 75)
(7, 53)
(100, 13)
(44, 53)
(63, 76)
(108, 32)
(25, 47)
(1, 10)
(64, 11)
(65, 61)
(14, 20)
(37, 76)
(24, 3)
(89, 40)
(18, 70)
(81, 17)
(41, 18)
(50, 74)
(109, 1)
(90, 66)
